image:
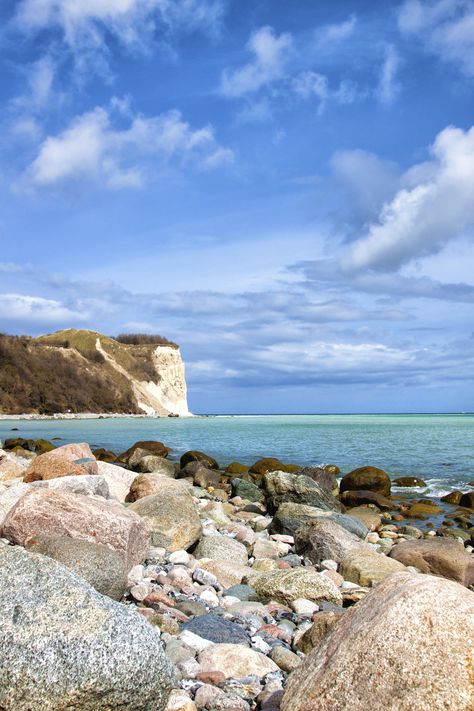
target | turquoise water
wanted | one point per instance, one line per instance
(438, 448)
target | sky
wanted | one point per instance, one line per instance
(285, 189)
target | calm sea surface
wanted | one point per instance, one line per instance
(438, 448)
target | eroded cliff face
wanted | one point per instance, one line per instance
(167, 394)
(78, 371)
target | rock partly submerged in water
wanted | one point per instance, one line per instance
(65, 646)
(406, 647)
(367, 479)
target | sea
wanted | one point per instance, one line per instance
(439, 448)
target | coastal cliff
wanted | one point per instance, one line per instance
(78, 371)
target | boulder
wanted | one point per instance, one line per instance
(247, 490)
(119, 480)
(358, 498)
(154, 463)
(148, 485)
(45, 511)
(368, 567)
(65, 646)
(237, 468)
(150, 447)
(422, 510)
(235, 661)
(467, 500)
(290, 517)
(221, 548)
(367, 479)
(87, 485)
(368, 515)
(407, 646)
(10, 496)
(454, 497)
(100, 566)
(324, 539)
(195, 456)
(227, 572)
(11, 466)
(201, 474)
(270, 464)
(67, 460)
(437, 556)
(104, 455)
(325, 476)
(285, 586)
(282, 487)
(171, 516)
(409, 481)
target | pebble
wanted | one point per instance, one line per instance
(304, 607)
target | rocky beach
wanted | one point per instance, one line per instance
(157, 580)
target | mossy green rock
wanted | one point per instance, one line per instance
(196, 456)
(368, 479)
(246, 490)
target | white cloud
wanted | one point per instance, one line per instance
(92, 147)
(423, 217)
(338, 31)
(445, 27)
(270, 52)
(310, 84)
(35, 309)
(388, 87)
(87, 26)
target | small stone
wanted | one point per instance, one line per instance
(180, 701)
(194, 641)
(304, 607)
(180, 557)
(328, 565)
(210, 597)
(140, 591)
(235, 661)
(217, 629)
(285, 658)
(214, 678)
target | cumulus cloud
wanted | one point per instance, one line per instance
(95, 147)
(445, 27)
(422, 218)
(270, 55)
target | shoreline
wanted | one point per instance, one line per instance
(92, 416)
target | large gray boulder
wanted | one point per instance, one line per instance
(285, 586)
(282, 487)
(65, 646)
(87, 485)
(324, 539)
(100, 566)
(290, 517)
(407, 646)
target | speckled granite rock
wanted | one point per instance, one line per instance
(98, 565)
(65, 646)
(406, 647)
(221, 548)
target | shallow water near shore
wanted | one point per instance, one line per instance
(437, 448)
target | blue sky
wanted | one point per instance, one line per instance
(286, 189)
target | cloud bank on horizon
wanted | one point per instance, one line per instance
(289, 194)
